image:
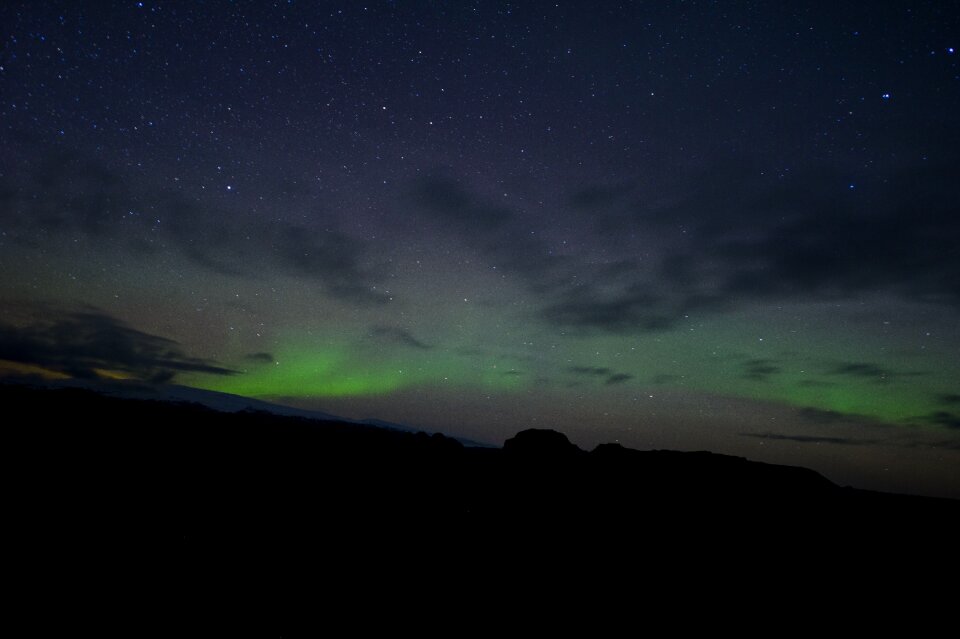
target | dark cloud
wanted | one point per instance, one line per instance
(857, 369)
(327, 256)
(950, 398)
(82, 343)
(76, 196)
(944, 418)
(870, 371)
(626, 311)
(609, 299)
(822, 416)
(399, 336)
(266, 358)
(494, 230)
(743, 235)
(600, 371)
(810, 236)
(901, 440)
(760, 369)
(248, 247)
(812, 439)
(456, 207)
(63, 196)
(589, 370)
(945, 444)
(814, 383)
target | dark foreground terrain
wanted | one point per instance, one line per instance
(154, 501)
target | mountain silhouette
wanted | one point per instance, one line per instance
(540, 444)
(185, 499)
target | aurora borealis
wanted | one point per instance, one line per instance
(690, 225)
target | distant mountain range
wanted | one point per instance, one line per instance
(223, 402)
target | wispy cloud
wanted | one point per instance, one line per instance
(812, 439)
(399, 336)
(90, 344)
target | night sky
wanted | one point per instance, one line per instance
(726, 226)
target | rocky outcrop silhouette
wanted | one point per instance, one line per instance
(541, 444)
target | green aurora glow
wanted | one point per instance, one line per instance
(710, 359)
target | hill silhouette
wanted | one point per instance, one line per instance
(168, 449)
(189, 496)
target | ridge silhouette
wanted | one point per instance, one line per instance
(187, 499)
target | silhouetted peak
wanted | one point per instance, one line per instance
(437, 441)
(540, 442)
(611, 449)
